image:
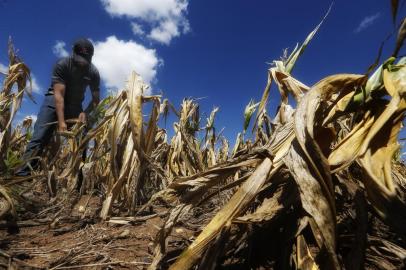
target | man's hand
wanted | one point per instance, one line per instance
(62, 127)
(82, 117)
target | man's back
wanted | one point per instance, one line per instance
(75, 79)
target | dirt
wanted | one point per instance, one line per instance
(84, 243)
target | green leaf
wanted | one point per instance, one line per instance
(291, 61)
(248, 112)
(375, 82)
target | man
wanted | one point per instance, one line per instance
(70, 78)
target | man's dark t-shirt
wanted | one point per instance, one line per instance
(75, 79)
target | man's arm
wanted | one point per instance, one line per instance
(59, 94)
(95, 101)
(95, 90)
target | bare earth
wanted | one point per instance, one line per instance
(83, 242)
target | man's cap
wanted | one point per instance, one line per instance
(83, 50)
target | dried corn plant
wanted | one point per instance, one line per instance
(11, 95)
(305, 183)
(316, 186)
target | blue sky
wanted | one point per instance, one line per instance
(216, 49)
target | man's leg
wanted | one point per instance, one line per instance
(41, 135)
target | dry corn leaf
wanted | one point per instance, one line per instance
(379, 184)
(135, 88)
(235, 205)
(346, 151)
(305, 260)
(313, 198)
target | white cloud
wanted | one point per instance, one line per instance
(166, 18)
(36, 88)
(164, 32)
(3, 68)
(137, 29)
(116, 59)
(59, 49)
(3, 71)
(367, 22)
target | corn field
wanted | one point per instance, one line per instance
(318, 185)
